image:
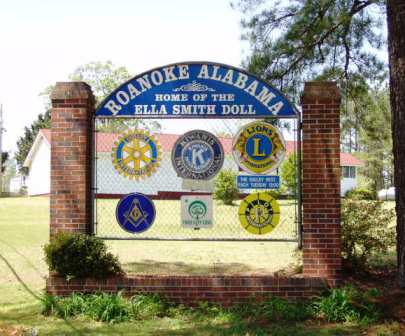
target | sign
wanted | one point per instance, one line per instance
(195, 90)
(258, 148)
(135, 213)
(259, 213)
(136, 154)
(258, 182)
(197, 155)
(196, 211)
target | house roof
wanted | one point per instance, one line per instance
(43, 136)
(105, 141)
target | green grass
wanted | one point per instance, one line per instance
(24, 224)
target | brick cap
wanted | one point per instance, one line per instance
(72, 90)
(320, 90)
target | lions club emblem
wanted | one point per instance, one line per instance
(197, 155)
(258, 148)
(135, 213)
(259, 213)
(136, 154)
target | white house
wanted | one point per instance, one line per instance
(164, 180)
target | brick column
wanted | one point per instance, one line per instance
(321, 181)
(72, 109)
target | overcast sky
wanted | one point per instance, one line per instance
(43, 41)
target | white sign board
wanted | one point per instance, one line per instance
(196, 211)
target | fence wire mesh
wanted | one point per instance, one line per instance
(166, 188)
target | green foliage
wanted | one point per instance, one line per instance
(25, 142)
(226, 188)
(111, 308)
(80, 255)
(148, 306)
(275, 309)
(107, 308)
(360, 194)
(349, 304)
(289, 174)
(3, 159)
(375, 141)
(103, 77)
(294, 41)
(366, 230)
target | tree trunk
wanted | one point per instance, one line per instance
(396, 49)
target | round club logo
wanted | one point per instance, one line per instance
(259, 213)
(135, 213)
(258, 148)
(197, 209)
(136, 154)
(197, 155)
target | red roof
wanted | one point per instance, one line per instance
(105, 142)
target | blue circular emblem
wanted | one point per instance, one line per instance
(135, 213)
(197, 155)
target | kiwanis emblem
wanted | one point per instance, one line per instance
(197, 155)
(135, 213)
(136, 154)
(259, 213)
(258, 148)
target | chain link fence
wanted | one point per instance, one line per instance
(165, 187)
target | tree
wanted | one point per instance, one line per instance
(396, 50)
(24, 143)
(294, 41)
(289, 174)
(3, 161)
(376, 141)
(103, 77)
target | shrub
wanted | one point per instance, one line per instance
(348, 304)
(366, 230)
(226, 188)
(360, 194)
(111, 308)
(147, 306)
(289, 174)
(79, 255)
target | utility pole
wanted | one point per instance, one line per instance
(1, 149)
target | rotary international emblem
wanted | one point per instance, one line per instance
(136, 154)
(197, 155)
(258, 148)
(135, 213)
(259, 213)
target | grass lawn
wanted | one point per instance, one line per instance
(24, 224)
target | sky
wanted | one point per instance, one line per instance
(43, 41)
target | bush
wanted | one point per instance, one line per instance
(366, 230)
(226, 188)
(348, 304)
(79, 256)
(342, 304)
(147, 306)
(111, 308)
(360, 194)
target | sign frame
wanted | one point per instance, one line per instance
(101, 110)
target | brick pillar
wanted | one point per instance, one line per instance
(321, 181)
(72, 109)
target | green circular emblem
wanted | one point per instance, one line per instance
(197, 209)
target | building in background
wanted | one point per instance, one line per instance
(165, 178)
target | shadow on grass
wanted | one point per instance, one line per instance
(182, 268)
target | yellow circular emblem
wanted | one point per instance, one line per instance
(259, 213)
(258, 148)
(136, 154)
